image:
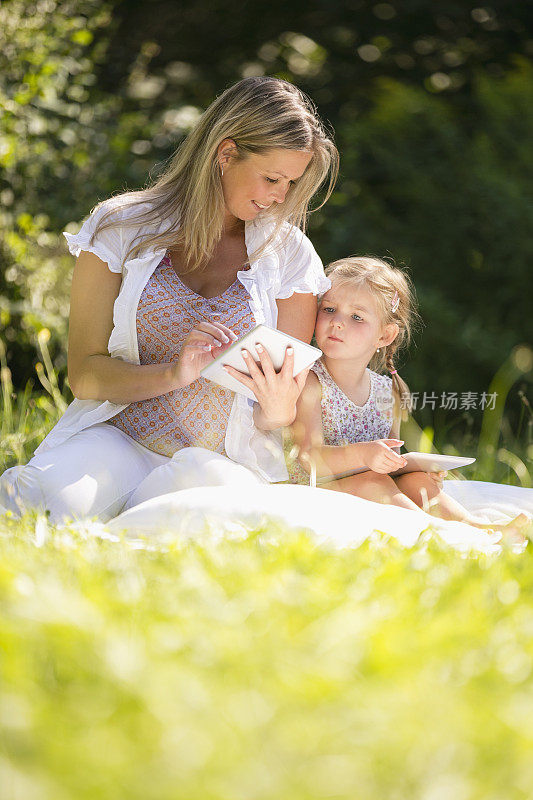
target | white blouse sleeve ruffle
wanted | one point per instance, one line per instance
(301, 268)
(107, 244)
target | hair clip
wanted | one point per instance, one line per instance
(395, 302)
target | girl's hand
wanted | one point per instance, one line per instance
(379, 457)
(438, 477)
(201, 346)
(276, 392)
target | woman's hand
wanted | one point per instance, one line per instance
(201, 346)
(276, 392)
(379, 457)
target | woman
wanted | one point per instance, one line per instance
(164, 278)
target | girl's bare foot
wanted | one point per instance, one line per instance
(512, 532)
(516, 529)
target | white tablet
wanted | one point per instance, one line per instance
(431, 462)
(275, 343)
(416, 462)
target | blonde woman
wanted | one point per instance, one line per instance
(165, 278)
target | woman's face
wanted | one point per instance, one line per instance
(255, 183)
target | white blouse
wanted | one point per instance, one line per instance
(289, 265)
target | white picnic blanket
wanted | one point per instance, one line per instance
(494, 501)
(335, 518)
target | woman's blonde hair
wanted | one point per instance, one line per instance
(258, 114)
(395, 298)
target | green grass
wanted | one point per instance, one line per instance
(26, 417)
(262, 667)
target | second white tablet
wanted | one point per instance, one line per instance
(416, 462)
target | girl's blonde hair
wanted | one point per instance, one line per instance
(395, 298)
(258, 114)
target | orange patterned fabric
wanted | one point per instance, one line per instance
(198, 414)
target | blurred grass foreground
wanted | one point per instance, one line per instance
(261, 667)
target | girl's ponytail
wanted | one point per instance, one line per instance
(400, 389)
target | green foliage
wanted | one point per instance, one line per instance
(27, 417)
(49, 133)
(444, 192)
(263, 667)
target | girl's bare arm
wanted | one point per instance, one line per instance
(307, 434)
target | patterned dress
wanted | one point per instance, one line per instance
(344, 422)
(198, 414)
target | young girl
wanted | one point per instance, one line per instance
(348, 415)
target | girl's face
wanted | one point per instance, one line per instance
(348, 324)
(257, 182)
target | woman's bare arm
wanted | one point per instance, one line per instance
(297, 315)
(93, 374)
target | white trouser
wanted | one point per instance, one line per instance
(101, 470)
